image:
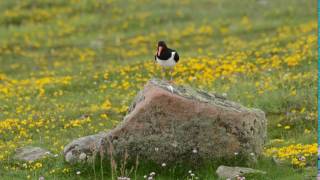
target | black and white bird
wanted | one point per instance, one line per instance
(166, 57)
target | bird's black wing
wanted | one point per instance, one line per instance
(176, 56)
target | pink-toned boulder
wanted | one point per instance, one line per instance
(169, 123)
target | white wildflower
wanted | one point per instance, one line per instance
(123, 178)
(302, 158)
(82, 156)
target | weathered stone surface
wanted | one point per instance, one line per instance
(83, 149)
(29, 153)
(166, 123)
(224, 172)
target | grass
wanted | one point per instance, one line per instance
(60, 60)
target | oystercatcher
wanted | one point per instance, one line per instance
(166, 57)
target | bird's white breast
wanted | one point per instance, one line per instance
(169, 62)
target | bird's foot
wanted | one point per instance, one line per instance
(171, 80)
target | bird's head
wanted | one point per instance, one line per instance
(161, 46)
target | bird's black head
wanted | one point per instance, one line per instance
(162, 44)
(161, 47)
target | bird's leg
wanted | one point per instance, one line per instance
(171, 72)
(163, 73)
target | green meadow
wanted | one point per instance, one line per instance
(71, 68)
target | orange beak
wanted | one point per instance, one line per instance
(159, 50)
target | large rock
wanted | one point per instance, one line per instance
(166, 123)
(228, 172)
(30, 153)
